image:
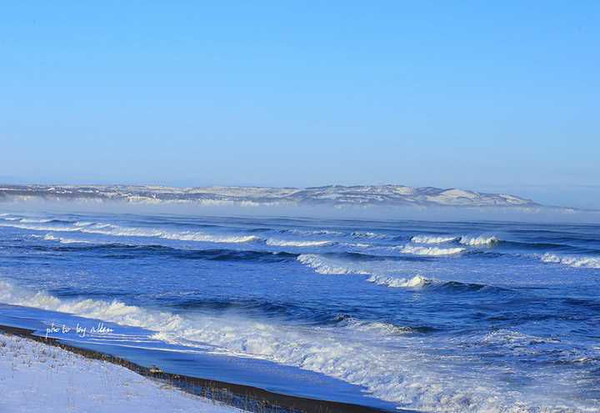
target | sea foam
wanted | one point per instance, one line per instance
(376, 327)
(577, 262)
(34, 220)
(395, 282)
(479, 241)
(426, 239)
(369, 235)
(119, 231)
(429, 251)
(323, 266)
(287, 243)
(364, 360)
(63, 240)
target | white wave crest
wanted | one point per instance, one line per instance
(62, 240)
(34, 220)
(118, 231)
(577, 262)
(199, 237)
(357, 245)
(389, 372)
(312, 232)
(283, 243)
(395, 282)
(114, 311)
(83, 223)
(323, 266)
(478, 241)
(377, 327)
(430, 251)
(426, 239)
(366, 234)
(30, 227)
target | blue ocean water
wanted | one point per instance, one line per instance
(431, 316)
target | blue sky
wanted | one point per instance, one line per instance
(498, 96)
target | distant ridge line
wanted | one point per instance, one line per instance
(335, 195)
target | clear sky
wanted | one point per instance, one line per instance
(498, 96)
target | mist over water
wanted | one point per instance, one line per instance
(435, 315)
(353, 212)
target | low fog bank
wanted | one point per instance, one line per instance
(541, 214)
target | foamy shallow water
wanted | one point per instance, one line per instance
(424, 315)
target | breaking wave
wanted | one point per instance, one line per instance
(118, 231)
(120, 250)
(479, 241)
(311, 232)
(322, 266)
(429, 251)
(380, 327)
(34, 220)
(358, 357)
(426, 239)
(577, 262)
(395, 282)
(285, 243)
(63, 240)
(369, 235)
(170, 235)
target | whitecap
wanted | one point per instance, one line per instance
(117, 231)
(426, 239)
(367, 234)
(285, 243)
(62, 240)
(396, 282)
(577, 262)
(323, 266)
(312, 232)
(429, 251)
(377, 327)
(83, 223)
(358, 245)
(401, 375)
(34, 220)
(479, 241)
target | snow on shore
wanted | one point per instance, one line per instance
(35, 377)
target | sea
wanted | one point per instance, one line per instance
(436, 316)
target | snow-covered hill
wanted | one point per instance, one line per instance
(326, 195)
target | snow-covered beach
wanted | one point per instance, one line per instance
(35, 377)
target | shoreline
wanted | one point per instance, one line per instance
(243, 397)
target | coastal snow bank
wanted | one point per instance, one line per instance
(35, 377)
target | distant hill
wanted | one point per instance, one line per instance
(336, 195)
